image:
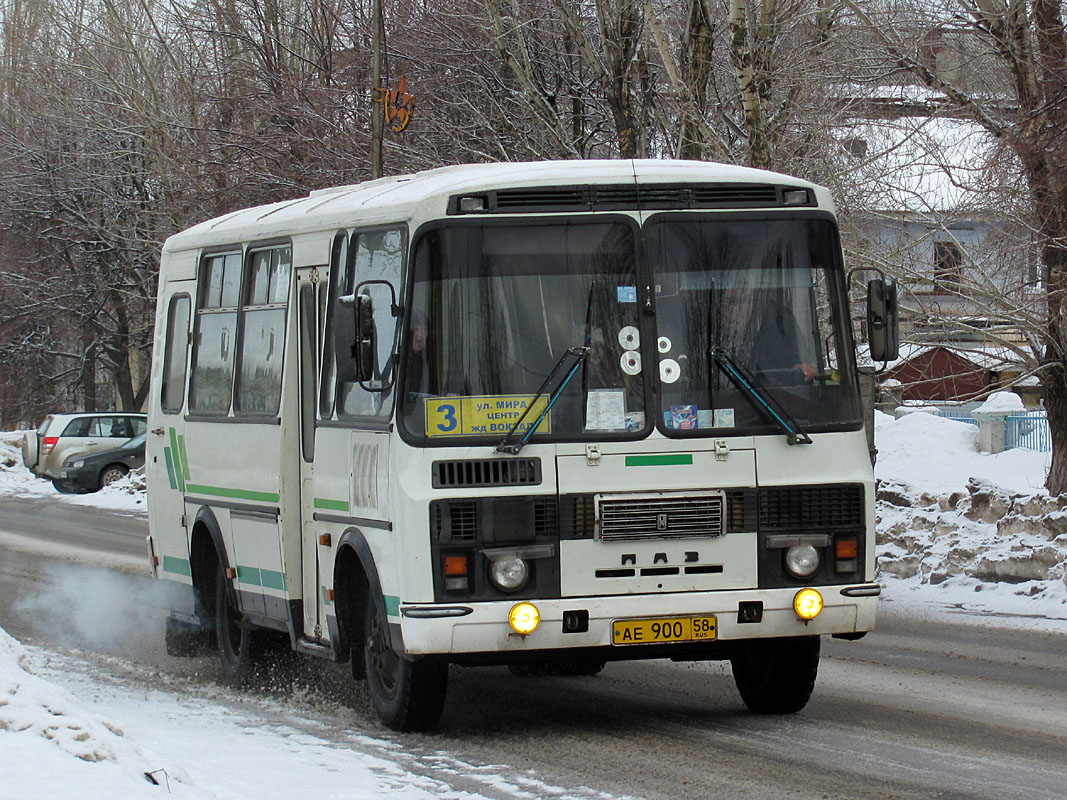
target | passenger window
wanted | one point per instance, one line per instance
(211, 387)
(78, 427)
(172, 391)
(262, 332)
(375, 256)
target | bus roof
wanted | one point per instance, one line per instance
(397, 198)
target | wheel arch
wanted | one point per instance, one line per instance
(207, 552)
(355, 576)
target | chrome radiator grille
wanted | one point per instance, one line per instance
(628, 518)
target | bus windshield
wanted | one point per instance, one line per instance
(746, 328)
(496, 306)
(750, 325)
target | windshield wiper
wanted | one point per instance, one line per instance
(757, 392)
(514, 447)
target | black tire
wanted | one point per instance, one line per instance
(586, 667)
(112, 473)
(407, 695)
(239, 648)
(776, 676)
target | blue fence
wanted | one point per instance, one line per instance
(1028, 430)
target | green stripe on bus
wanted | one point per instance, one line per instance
(331, 505)
(185, 456)
(272, 579)
(392, 605)
(237, 494)
(675, 459)
(249, 575)
(179, 471)
(178, 566)
(170, 468)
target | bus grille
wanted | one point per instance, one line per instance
(810, 507)
(639, 517)
(487, 472)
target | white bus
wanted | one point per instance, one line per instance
(545, 415)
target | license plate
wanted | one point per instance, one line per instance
(663, 630)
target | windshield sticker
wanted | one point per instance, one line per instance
(683, 418)
(663, 344)
(627, 294)
(630, 337)
(631, 362)
(705, 418)
(605, 410)
(724, 418)
(485, 414)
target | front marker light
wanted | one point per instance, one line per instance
(808, 604)
(524, 618)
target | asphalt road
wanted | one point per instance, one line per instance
(921, 708)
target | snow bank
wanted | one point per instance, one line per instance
(967, 529)
(51, 747)
(1001, 403)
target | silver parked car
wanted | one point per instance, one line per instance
(61, 436)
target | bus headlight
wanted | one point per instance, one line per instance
(524, 618)
(807, 603)
(802, 561)
(509, 574)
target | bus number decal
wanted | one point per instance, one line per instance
(492, 415)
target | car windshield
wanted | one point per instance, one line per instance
(494, 308)
(750, 325)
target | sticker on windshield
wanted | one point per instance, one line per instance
(484, 415)
(669, 370)
(605, 410)
(724, 418)
(630, 337)
(631, 362)
(627, 294)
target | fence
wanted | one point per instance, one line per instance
(1028, 430)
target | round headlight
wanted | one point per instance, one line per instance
(524, 618)
(802, 561)
(807, 603)
(509, 574)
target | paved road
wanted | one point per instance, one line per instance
(921, 708)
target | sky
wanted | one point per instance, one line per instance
(66, 732)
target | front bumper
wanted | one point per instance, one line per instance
(484, 628)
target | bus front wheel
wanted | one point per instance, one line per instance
(407, 695)
(776, 676)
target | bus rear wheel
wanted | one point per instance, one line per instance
(407, 695)
(239, 647)
(776, 676)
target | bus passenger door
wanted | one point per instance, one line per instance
(309, 323)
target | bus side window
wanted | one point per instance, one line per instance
(262, 332)
(211, 387)
(175, 358)
(376, 256)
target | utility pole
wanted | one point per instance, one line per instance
(377, 92)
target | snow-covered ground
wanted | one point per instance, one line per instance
(960, 532)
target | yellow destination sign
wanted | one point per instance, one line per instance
(489, 414)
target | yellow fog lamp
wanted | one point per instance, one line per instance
(807, 603)
(524, 618)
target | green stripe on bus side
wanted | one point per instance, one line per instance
(170, 468)
(237, 494)
(675, 459)
(392, 605)
(331, 505)
(267, 578)
(178, 566)
(176, 453)
(185, 457)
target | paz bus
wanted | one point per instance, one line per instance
(545, 415)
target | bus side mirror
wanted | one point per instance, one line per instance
(364, 347)
(883, 319)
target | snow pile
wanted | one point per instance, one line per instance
(953, 521)
(1001, 403)
(14, 477)
(63, 750)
